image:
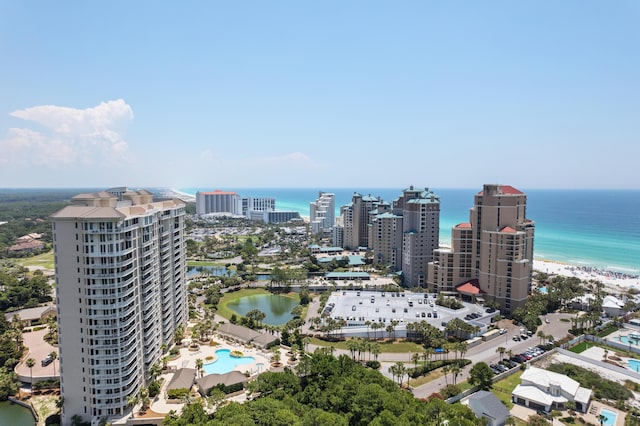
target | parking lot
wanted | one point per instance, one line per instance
(358, 307)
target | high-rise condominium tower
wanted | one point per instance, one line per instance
(492, 256)
(120, 263)
(404, 237)
(322, 213)
(220, 202)
(356, 218)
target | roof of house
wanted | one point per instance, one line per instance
(544, 378)
(463, 225)
(212, 380)
(30, 314)
(238, 331)
(182, 379)
(612, 302)
(485, 403)
(265, 338)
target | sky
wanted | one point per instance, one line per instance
(212, 94)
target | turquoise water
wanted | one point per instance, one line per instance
(599, 228)
(610, 417)
(276, 308)
(628, 340)
(225, 362)
(14, 414)
(634, 365)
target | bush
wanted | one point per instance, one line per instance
(449, 391)
(228, 389)
(603, 388)
(180, 393)
(154, 388)
(373, 364)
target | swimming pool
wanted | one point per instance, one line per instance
(225, 362)
(634, 365)
(610, 419)
(631, 339)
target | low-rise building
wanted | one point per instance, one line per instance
(486, 404)
(545, 390)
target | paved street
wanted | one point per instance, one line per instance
(485, 352)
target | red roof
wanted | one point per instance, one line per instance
(506, 190)
(508, 229)
(463, 225)
(470, 287)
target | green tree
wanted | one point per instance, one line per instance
(481, 375)
(53, 355)
(31, 363)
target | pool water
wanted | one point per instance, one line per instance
(628, 340)
(610, 417)
(225, 362)
(634, 365)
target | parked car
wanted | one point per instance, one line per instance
(46, 361)
(517, 338)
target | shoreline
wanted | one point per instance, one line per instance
(613, 280)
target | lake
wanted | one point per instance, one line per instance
(14, 414)
(276, 308)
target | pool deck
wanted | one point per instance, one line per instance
(187, 359)
(596, 407)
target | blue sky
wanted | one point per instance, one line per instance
(536, 94)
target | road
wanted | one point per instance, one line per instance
(484, 352)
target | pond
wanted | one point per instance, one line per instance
(214, 271)
(276, 308)
(14, 414)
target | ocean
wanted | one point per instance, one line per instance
(599, 228)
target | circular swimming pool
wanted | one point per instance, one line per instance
(225, 362)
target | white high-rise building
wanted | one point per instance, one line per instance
(219, 202)
(120, 263)
(322, 213)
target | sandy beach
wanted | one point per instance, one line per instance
(613, 280)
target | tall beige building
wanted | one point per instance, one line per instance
(491, 257)
(120, 263)
(356, 218)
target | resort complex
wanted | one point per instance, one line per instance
(159, 310)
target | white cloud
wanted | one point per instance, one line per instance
(69, 136)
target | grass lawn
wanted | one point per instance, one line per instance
(397, 347)
(607, 331)
(433, 375)
(45, 260)
(225, 311)
(504, 387)
(580, 347)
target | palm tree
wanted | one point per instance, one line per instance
(131, 402)
(415, 357)
(375, 350)
(541, 335)
(455, 372)
(199, 364)
(53, 355)
(30, 363)
(446, 369)
(501, 350)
